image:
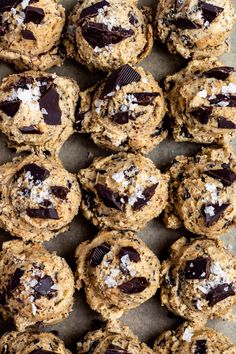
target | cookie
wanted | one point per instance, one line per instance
(195, 29)
(118, 271)
(37, 110)
(115, 337)
(202, 192)
(24, 24)
(193, 338)
(104, 35)
(199, 279)
(31, 343)
(39, 198)
(202, 102)
(122, 191)
(125, 112)
(36, 286)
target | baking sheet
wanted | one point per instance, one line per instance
(150, 319)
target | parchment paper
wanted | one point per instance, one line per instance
(150, 319)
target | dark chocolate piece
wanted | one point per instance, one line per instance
(226, 176)
(148, 194)
(133, 19)
(219, 73)
(133, 254)
(92, 10)
(198, 268)
(110, 199)
(42, 213)
(144, 98)
(98, 253)
(134, 286)
(210, 11)
(200, 346)
(42, 351)
(123, 76)
(50, 102)
(227, 98)
(219, 293)
(6, 5)
(60, 192)
(218, 211)
(4, 28)
(184, 23)
(121, 117)
(38, 173)
(114, 349)
(10, 108)
(202, 114)
(15, 280)
(224, 123)
(44, 286)
(28, 35)
(34, 14)
(31, 129)
(98, 34)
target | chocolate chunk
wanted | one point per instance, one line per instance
(23, 82)
(31, 129)
(10, 108)
(98, 253)
(123, 76)
(42, 213)
(219, 73)
(132, 19)
(114, 349)
(210, 11)
(198, 268)
(224, 100)
(185, 133)
(184, 23)
(60, 192)
(42, 351)
(44, 286)
(92, 10)
(225, 175)
(144, 98)
(4, 28)
(15, 280)
(134, 286)
(224, 123)
(219, 293)
(39, 174)
(89, 199)
(98, 34)
(201, 347)
(28, 35)
(202, 114)
(147, 195)
(217, 210)
(50, 102)
(6, 5)
(121, 117)
(110, 199)
(34, 14)
(133, 254)
(45, 83)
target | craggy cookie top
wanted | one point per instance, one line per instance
(24, 24)
(191, 338)
(199, 279)
(113, 338)
(35, 286)
(125, 112)
(37, 110)
(195, 28)
(107, 34)
(31, 343)
(202, 102)
(123, 191)
(119, 272)
(39, 198)
(202, 192)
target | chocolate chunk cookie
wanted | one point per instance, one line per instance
(193, 28)
(104, 34)
(37, 110)
(199, 279)
(119, 272)
(202, 102)
(202, 192)
(36, 286)
(114, 338)
(193, 338)
(38, 198)
(31, 343)
(23, 25)
(125, 112)
(123, 191)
